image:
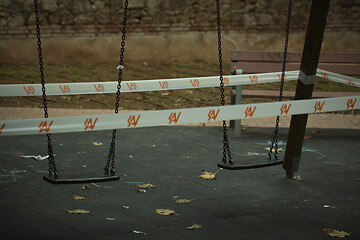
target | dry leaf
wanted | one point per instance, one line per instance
(77, 197)
(126, 207)
(85, 187)
(183, 201)
(336, 233)
(147, 185)
(208, 175)
(165, 94)
(78, 211)
(316, 131)
(165, 212)
(193, 227)
(141, 190)
(139, 232)
(97, 143)
(307, 137)
(273, 150)
(355, 121)
(295, 178)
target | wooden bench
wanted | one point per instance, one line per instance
(248, 62)
(347, 63)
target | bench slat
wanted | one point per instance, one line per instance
(290, 94)
(257, 67)
(325, 57)
(258, 56)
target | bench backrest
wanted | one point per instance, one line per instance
(347, 63)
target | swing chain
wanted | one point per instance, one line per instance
(52, 165)
(276, 131)
(226, 147)
(110, 164)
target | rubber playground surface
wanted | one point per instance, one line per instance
(247, 204)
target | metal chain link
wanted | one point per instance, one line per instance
(110, 164)
(52, 165)
(276, 131)
(226, 147)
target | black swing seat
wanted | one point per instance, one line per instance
(250, 164)
(82, 178)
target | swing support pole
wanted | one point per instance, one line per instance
(305, 83)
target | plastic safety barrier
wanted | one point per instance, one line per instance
(17, 90)
(174, 116)
(338, 78)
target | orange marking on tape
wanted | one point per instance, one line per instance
(65, 88)
(174, 117)
(43, 126)
(29, 90)
(285, 108)
(351, 103)
(212, 114)
(318, 106)
(99, 87)
(89, 123)
(249, 111)
(132, 120)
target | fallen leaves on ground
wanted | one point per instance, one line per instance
(97, 143)
(336, 233)
(273, 150)
(193, 227)
(85, 187)
(125, 207)
(316, 131)
(141, 191)
(208, 175)
(165, 212)
(139, 232)
(146, 186)
(183, 201)
(37, 157)
(295, 178)
(77, 197)
(307, 137)
(78, 211)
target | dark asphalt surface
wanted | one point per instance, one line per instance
(247, 204)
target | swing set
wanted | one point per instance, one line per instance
(304, 91)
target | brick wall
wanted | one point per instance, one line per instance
(99, 18)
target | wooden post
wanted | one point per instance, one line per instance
(305, 83)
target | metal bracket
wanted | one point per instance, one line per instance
(305, 79)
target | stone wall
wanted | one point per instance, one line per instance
(89, 30)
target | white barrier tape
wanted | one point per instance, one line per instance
(12, 90)
(174, 116)
(338, 78)
(305, 79)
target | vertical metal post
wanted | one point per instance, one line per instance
(237, 99)
(305, 83)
